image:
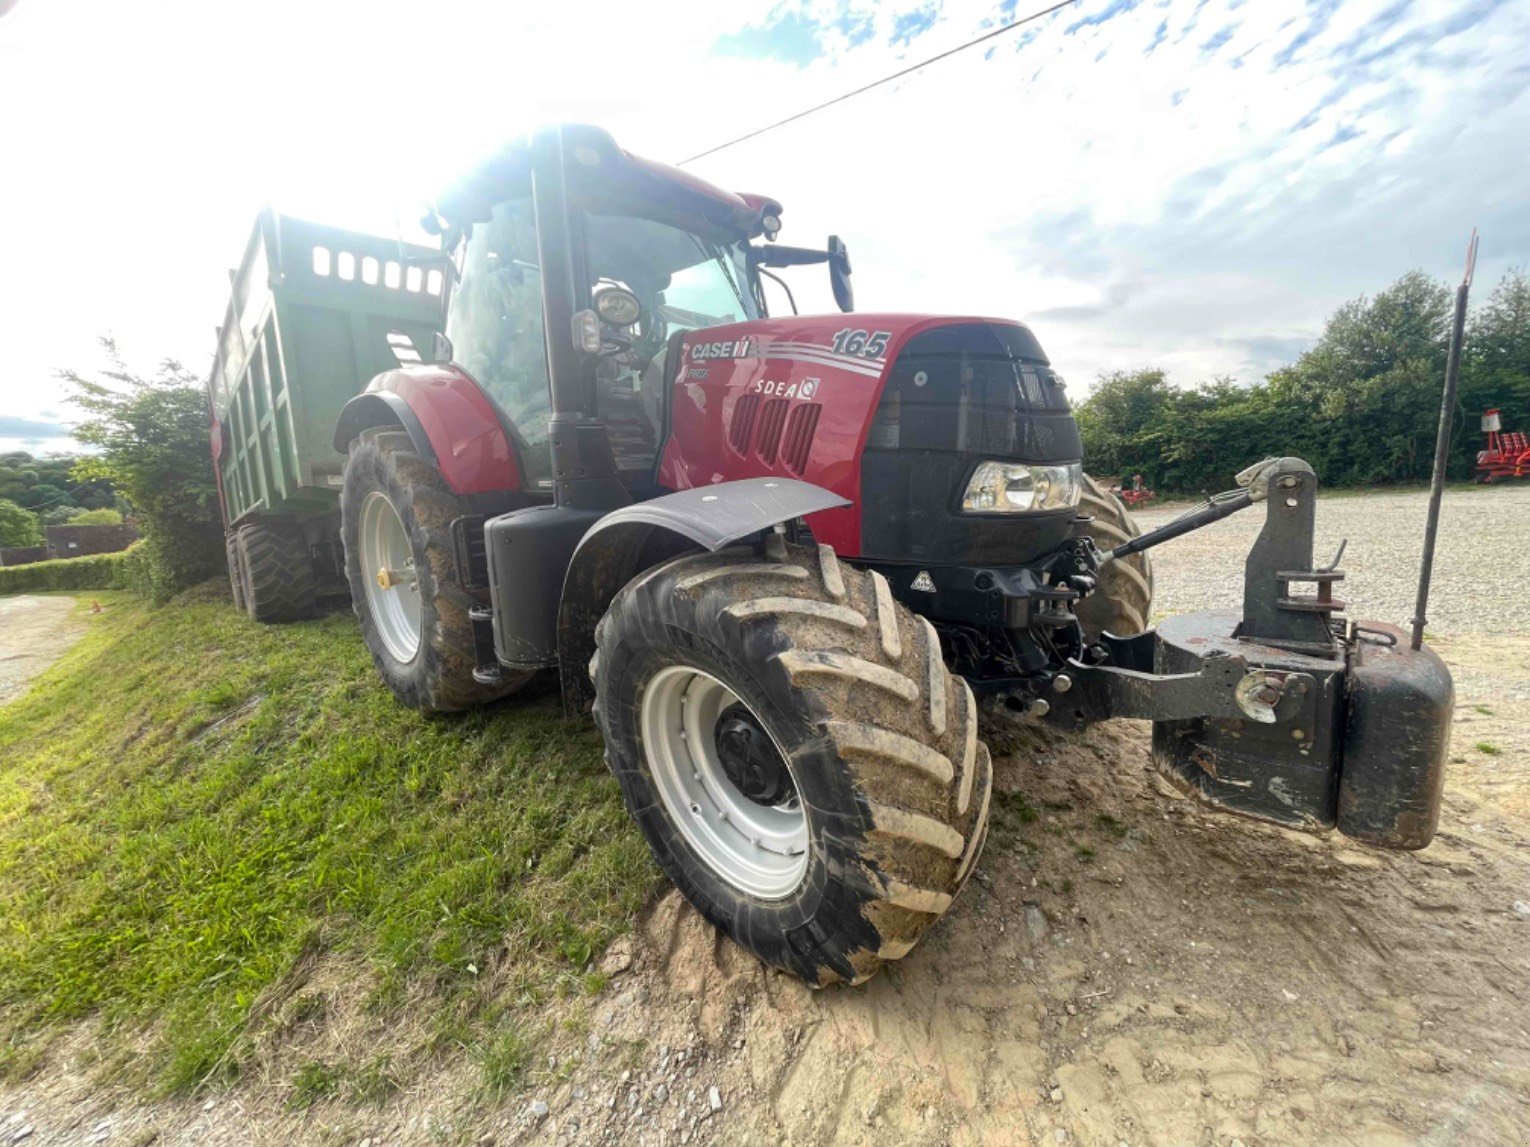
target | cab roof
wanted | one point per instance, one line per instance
(601, 173)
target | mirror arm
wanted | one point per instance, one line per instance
(779, 281)
(779, 256)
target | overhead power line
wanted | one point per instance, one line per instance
(1032, 18)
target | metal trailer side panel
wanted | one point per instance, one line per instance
(315, 312)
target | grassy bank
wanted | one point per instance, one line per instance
(196, 812)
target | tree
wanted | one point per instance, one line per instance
(42, 495)
(1362, 405)
(1368, 392)
(1122, 420)
(152, 437)
(18, 526)
(1495, 371)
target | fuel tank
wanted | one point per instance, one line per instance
(891, 411)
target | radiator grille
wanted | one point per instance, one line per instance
(798, 439)
(772, 420)
(745, 410)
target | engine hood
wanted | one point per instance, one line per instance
(916, 398)
(860, 344)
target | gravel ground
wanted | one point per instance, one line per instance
(1481, 569)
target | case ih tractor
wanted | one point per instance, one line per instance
(788, 560)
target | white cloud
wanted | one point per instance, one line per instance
(1186, 206)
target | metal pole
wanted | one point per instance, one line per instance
(1442, 442)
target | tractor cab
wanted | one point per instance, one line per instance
(636, 255)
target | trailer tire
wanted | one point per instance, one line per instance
(438, 676)
(277, 572)
(1122, 603)
(235, 570)
(879, 744)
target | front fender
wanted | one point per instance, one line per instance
(448, 417)
(627, 541)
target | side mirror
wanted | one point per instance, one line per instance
(440, 349)
(839, 273)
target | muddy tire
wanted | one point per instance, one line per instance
(1123, 602)
(277, 572)
(235, 570)
(424, 648)
(848, 692)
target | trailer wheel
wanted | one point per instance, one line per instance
(395, 520)
(277, 572)
(235, 570)
(1123, 602)
(788, 738)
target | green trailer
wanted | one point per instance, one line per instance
(316, 312)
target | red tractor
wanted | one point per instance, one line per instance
(789, 559)
(1507, 454)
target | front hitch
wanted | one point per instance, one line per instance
(1283, 712)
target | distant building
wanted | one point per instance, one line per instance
(22, 555)
(78, 541)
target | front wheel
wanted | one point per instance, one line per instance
(1122, 603)
(396, 513)
(788, 738)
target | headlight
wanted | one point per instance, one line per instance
(1012, 488)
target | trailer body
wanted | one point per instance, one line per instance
(315, 312)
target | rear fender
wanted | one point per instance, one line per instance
(449, 419)
(627, 541)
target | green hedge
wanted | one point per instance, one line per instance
(97, 571)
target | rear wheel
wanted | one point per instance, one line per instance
(1123, 601)
(277, 572)
(395, 519)
(791, 744)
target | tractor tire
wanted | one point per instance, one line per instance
(424, 649)
(235, 570)
(1123, 601)
(277, 572)
(875, 807)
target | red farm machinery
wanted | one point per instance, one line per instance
(1507, 454)
(787, 561)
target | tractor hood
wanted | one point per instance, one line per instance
(891, 411)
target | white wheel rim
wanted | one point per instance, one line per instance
(759, 849)
(387, 566)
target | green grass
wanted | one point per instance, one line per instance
(1488, 748)
(196, 811)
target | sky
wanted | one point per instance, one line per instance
(1187, 184)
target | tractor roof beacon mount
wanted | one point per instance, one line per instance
(1442, 442)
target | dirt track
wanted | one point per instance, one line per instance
(33, 632)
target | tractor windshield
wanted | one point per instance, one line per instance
(683, 279)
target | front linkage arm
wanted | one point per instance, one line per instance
(1279, 712)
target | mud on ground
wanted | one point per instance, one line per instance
(1128, 968)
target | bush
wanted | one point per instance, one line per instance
(152, 437)
(103, 517)
(97, 571)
